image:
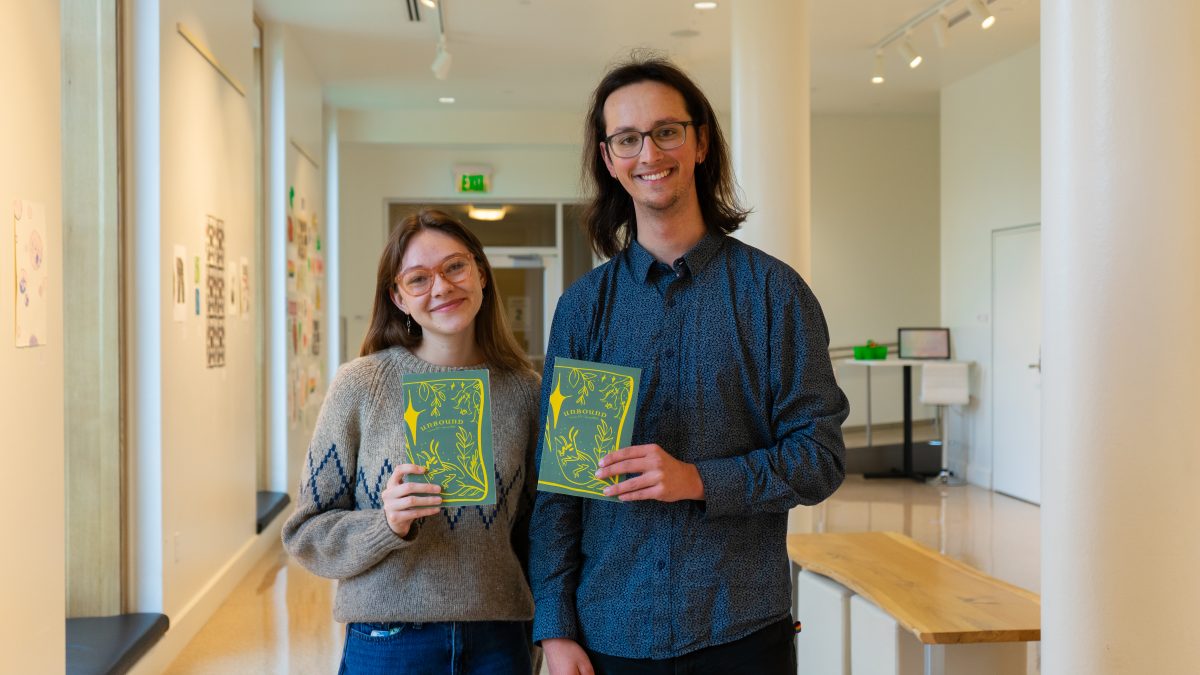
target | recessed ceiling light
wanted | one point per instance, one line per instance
(704, 5)
(486, 213)
(446, 99)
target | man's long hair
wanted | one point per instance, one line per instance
(609, 218)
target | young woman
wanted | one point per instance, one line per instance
(424, 588)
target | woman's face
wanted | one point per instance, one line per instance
(448, 307)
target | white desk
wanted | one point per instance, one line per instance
(907, 364)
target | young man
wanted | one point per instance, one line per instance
(738, 419)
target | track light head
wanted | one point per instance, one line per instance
(910, 55)
(441, 62)
(941, 29)
(877, 77)
(982, 13)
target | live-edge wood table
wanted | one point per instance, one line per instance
(938, 599)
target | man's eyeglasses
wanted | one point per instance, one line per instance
(419, 280)
(628, 144)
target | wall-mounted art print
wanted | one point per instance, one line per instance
(245, 286)
(179, 285)
(302, 238)
(29, 235)
(215, 303)
(233, 290)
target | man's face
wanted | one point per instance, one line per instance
(659, 181)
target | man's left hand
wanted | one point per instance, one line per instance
(662, 476)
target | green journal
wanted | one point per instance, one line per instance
(448, 428)
(591, 413)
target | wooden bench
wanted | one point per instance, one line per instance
(937, 599)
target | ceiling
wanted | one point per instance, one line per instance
(546, 55)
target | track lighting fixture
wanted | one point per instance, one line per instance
(441, 62)
(910, 55)
(941, 29)
(982, 13)
(944, 16)
(443, 59)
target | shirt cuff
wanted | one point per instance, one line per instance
(724, 485)
(554, 620)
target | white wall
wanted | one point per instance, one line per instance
(32, 627)
(208, 426)
(372, 173)
(209, 437)
(991, 174)
(875, 249)
(305, 173)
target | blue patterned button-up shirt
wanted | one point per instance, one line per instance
(736, 379)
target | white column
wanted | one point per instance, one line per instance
(143, 278)
(770, 137)
(333, 280)
(1121, 386)
(275, 194)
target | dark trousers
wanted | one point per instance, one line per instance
(770, 651)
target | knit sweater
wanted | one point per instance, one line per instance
(461, 564)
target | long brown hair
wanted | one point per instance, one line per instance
(609, 218)
(388, 327)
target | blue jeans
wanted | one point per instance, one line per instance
(451, 648)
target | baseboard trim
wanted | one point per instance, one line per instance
(979, 477)
(196, 613)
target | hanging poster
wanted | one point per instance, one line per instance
(179, 294)
(29, 234)
(215, 237)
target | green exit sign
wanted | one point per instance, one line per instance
(473, 183)
(473, 177)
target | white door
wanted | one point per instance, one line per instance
(1017, 362)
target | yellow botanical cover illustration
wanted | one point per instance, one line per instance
(448, 429)
(591, 413)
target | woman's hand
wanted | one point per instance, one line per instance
(405, 502)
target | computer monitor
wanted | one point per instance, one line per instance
(923, 343)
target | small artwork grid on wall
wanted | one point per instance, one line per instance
(215, 238)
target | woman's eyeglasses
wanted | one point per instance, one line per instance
(419, 280)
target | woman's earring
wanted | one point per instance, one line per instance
(408, 323)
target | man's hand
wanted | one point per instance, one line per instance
(405, 502)
(566, 657)
(662, 476)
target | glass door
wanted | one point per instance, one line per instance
(530, 282)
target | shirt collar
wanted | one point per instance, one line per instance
(642, 261)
